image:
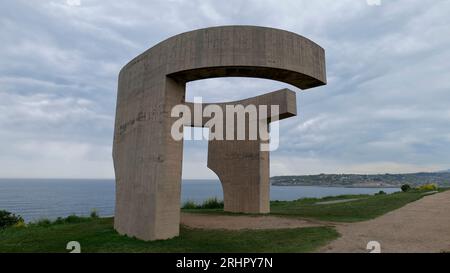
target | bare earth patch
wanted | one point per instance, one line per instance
(207, 221)
(421, 226)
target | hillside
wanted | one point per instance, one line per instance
(363, 180)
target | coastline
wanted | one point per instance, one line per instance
(337, 186)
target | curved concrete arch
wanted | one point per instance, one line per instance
(147, 160)
(237, 51)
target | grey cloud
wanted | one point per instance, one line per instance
(385, 107)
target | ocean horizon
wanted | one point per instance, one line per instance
(36, 199)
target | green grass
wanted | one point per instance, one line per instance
(211, 203)
(365, 208)
(98, 235)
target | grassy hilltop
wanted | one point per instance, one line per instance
(97, 234)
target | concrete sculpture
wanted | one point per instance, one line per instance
(148, 160)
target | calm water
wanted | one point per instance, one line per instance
(49, 198)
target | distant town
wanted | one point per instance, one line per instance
(364, 180)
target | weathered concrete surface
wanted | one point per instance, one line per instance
(147, 160)
(241, 165)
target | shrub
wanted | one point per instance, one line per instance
(20, 224)
(405, 187)
(94, 214)
(59, 220)
(428, 187)
(380, 193)
(212, 203)
(71, 219)
(43, 222)
(74, 219)
(8, 219)
(189, 205)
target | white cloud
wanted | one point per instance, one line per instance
(73, 3)
(293, 166)
(44, 108)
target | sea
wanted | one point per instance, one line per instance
(35, 199)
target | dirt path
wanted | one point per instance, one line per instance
(421, 226)
(207, 221)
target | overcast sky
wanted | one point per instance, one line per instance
(386, 107)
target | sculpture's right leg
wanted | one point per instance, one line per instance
(243, 170)
(147, 160)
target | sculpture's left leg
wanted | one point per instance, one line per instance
(147, 159)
